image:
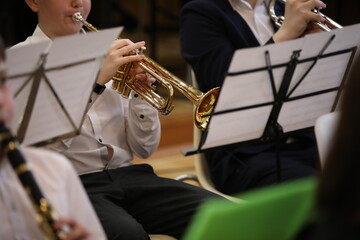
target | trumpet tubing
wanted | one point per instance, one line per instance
(328, 25)
(123, 83)
(204, 102)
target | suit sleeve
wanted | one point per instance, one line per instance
(205, 45)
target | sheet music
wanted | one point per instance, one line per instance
(244, 90)
(49, 116)
(29, 58)
(236, 126)
(247, 90)
(346, 37)
(326, 75)
(254, 58)
(314, 43)
(71, 67)
(21, 62)
(81, 46)
(246, 98)
(303, 113)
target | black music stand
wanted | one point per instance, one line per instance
(280, 90)
(52, 82)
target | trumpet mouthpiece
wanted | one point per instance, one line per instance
(77, 17)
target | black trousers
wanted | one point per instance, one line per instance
(132, 202)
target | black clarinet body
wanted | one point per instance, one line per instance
(45, 214)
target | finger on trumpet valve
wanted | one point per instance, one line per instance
(140, 50)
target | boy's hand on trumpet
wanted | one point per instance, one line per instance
(141, 75)
(118, 55)
(299, 18)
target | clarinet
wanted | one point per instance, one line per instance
(45, 214)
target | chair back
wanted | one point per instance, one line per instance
(325, 127)
(201, 165)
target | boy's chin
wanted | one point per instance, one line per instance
(73, 30)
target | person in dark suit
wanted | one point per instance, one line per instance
(210, 32)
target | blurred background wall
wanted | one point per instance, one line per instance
(155, 21)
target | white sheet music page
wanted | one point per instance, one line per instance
(303, 113)
(246, 98)
(254, 58)
(70, 71)
(254, 87)
(327, 74)
(73, 86)
(346, 37)
(236, 126)
(21, 63)
(23, 60)
(75, 48)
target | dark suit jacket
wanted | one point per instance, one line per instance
(210, 32)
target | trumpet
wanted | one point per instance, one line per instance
(327, 26)
(123, 83)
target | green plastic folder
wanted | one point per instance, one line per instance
(272, 213)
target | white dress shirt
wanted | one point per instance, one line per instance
(61, 187)
(257, 18)
(125, 126)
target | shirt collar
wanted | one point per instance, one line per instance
(40, 35)
(244, 4)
